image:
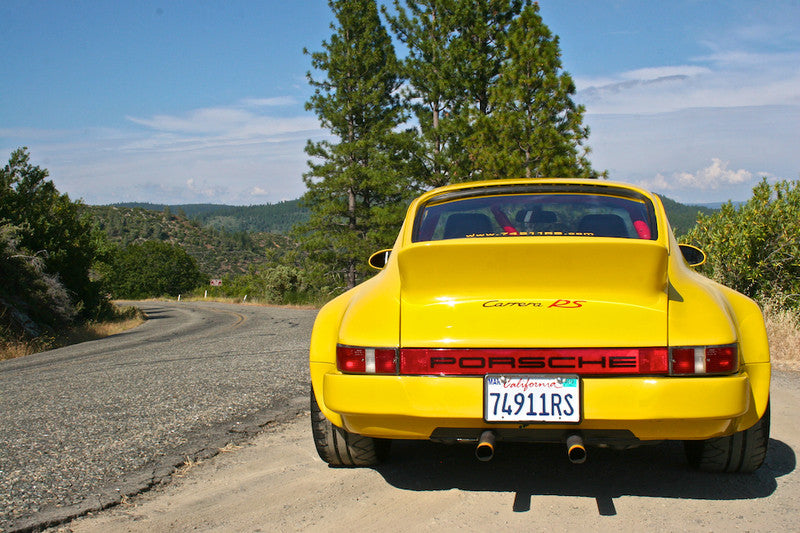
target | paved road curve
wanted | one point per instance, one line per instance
(81, 425)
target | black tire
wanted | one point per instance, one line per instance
(339, 447)
(744, 451)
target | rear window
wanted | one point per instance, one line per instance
(474, 215)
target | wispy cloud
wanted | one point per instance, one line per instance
(248, 151)
(269, 102)
(233, 122)
(728, 78)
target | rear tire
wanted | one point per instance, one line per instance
(744, 451)
(339, 447)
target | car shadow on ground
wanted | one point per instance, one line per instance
(529, 470)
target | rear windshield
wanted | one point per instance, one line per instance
(552, 214)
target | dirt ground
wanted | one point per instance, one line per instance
(278, 483)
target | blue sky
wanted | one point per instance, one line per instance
(203, 101)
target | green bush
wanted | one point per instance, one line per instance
(51, 228)
(153, 268)
(755, 248)
(279, 284)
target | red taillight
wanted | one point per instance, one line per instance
(683, 361)
(366, 360)
(700, 360)
(722, 360)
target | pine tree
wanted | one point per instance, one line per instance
(356, 188)
(486, 86)
(455, 51)
(535, 129)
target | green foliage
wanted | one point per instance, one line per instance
(755, 248)
(455, 49)
(278, 284)
(52, 228)
(357, 187)
(486, 87)
(32, 301)
(152, 268)
(535, 129)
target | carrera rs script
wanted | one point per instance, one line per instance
(560, 304)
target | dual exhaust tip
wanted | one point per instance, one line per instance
(484, 451)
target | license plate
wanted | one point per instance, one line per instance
(531, 399)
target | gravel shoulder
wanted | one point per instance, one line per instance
(277, 482)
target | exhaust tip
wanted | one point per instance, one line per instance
(576, 451)
(484, 451)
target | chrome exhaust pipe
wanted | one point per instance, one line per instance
(575, 449)
(484, 451)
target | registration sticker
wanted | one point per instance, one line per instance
(531, 398)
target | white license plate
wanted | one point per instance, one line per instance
(531, 399)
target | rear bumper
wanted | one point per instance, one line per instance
(650, 408)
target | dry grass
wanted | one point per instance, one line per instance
(187, 466)
(783, 331)
(129, 318)
(250, 301)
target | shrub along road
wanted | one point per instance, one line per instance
(84, 425)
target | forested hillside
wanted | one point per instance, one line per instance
(280, 217)
(217, 252)
(683, 217)
(270, 218)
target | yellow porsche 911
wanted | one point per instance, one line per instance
(540, 311)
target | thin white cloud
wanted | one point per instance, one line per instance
(227, 121)
(258, 191)
(269, 102)
(656, 73)
(202, 130)
(724, 78)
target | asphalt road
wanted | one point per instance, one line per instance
(83, 425)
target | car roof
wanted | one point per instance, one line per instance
(535, 183)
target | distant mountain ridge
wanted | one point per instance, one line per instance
(280, 217)
(270, 218)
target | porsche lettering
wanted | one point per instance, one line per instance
(537, 362)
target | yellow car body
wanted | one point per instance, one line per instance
(550, 301)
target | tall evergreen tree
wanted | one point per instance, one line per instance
(356, 188)
(535, 129)
(455, 51)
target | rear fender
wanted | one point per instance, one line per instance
(322, 352)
